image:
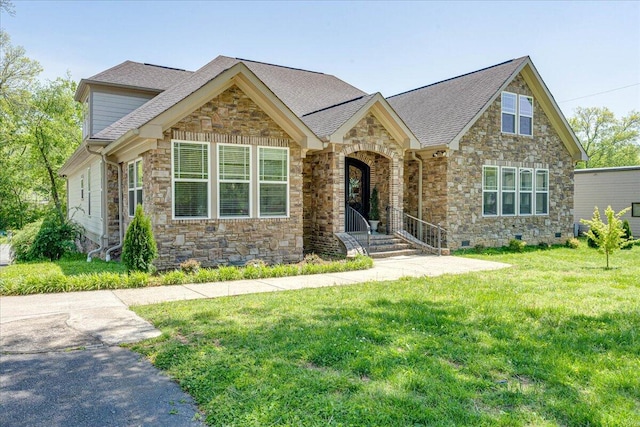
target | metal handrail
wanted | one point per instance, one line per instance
(358, 227)
(418, 231)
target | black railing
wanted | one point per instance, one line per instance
(358, 227)
(417, 231)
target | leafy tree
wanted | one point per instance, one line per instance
(607, 140)
(139, 249)
(610, 236)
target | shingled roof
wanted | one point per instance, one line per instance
(145, 76)
(437, 113)
(326, 121)
(300, 90)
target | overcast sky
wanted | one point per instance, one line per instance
(581, 49)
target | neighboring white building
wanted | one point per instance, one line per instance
(618, 187)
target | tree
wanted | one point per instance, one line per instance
(139, 248)
(608, 141)
(608, 237)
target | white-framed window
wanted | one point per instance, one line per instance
(89, 191)
(134, 172)
(273, 182)
(86, 119)
(490, 186)
(234, 181)
(525, 114)
(509, 112)
(542, 192)
(517, 114)
(526, 192)
(508, 191)
(190, 166)
(82, 187)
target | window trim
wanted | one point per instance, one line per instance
(547, 192)
(530, 192)
(496, 191)
(174, 179)
(503, 191)
(250, 181)
(286, 182)
(89, 191)
(135, 188)
(82, 187)
(515, 114)
(524, 115)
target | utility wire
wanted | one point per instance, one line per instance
(600, 93)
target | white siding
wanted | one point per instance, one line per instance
(618, 187)
(78, 206)
(107, 108)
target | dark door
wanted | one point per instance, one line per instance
(357, 186)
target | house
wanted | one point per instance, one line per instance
(618, 187)
(243, 159)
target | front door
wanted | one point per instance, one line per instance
(357, 186)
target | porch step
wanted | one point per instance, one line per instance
(385, 246)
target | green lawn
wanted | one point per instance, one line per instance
(554, 340)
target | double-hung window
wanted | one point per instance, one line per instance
(273, 181)
(191, 185)
(82, 187)
(542, 192)
(508, 187)
(234, 181)
(526, 192)
(490, 191)
(517, 114)
(135, 185)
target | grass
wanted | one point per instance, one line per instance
(552, 341)
(73, 273)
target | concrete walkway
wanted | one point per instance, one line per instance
(5, 254)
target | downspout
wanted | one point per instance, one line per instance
(107, 256)
(419, 160)
(104, 203)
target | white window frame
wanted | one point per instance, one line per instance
(520, 114)
(89, 191)
(285, 183)
(496, 191)
(530, 191)
(174, 179)
(536, 192)
(86, 119)
(135, 187)
(82, 187)
(221, 181)
(514, 191)
(515, 113)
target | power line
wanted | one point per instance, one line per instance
(600, 93)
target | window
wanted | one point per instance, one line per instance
(81, 187)
(135, 185)
(490, 191)
(508, 191)
(234, 181)
(191, 186)
(273, 181)
(635, 209)
(89, 191)
(509, 112)
(526, 192)
(86, 123)
(526, 115)
(542, 192)
(517, 114)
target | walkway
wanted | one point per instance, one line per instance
(5, 254)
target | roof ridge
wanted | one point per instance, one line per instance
(280, 66)
(337, 105)
(163, 66)
(457, 77)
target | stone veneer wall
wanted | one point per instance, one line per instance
(485, 144)
(221, 241)
(434, 189)
(324, 181)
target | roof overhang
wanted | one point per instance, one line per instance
(80, 156)
(380, 108)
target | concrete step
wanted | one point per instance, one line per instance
(389, 254)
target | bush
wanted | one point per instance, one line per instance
(23, 239)
(626, 228)
(139, 249)
(516, 245)
(190, 266)
(54, 239)
(591, 242)
(573, 243)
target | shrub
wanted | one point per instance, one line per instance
(479, 248)
(190, 266)
(312, 258)
(573, 243)
(176, 277)
(139, 249)
(23, 239)
(608, 237)
(591, 239)
(516, 245)
(55, 238)
(626, 228)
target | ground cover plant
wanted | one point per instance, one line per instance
(552, 340)
(73, 273)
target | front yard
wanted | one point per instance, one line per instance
(552, 341)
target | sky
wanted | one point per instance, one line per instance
(588, 53)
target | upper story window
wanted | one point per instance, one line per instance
(86, 119)
(135, 185)
(191, 183)
(517, 114)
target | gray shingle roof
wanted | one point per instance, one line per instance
(437, 113)
(326, 121)
(302, 91)
(139, 75)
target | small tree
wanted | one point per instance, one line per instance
(610, 236)
(139, 249)
(374, 209)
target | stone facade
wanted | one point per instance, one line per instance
(231, 117)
